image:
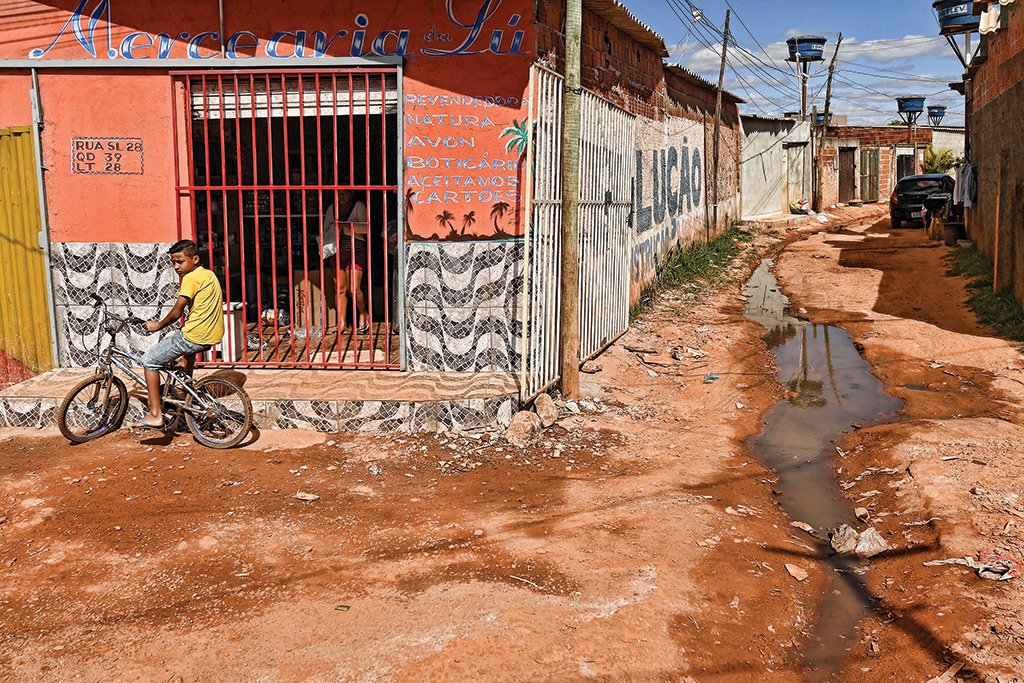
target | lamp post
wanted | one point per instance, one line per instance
(804, 51)
(936, 112)
(910, 109)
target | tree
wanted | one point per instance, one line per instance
(938, 160)
(468, 220)
(498, 211)
(445, 218)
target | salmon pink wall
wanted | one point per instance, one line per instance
(88, 207)
(467, 65)
(15, 102)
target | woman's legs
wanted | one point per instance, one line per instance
(355, 276)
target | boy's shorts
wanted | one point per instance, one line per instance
(169, 349)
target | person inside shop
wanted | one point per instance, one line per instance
(345, 222)
(200, 292)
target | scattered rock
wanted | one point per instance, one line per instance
(523, 429)
(803, 526)
(546, 410)
(306, 497)
(588, 405)
(871, 543)
(663, 360)
(978, 491)
(844, 539)
(862, 514)
(591, 367)
(572, 407)
(796, 572)
(374, 469)
(635, 348)
(478, 532)
(3, 520)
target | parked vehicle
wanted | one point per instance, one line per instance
(906, 205)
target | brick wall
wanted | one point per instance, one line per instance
(1005, 64)
(996, 223)
(886, 136)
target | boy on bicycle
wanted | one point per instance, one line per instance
(201, 293)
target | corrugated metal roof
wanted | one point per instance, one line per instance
(619, 16)
(687, 75)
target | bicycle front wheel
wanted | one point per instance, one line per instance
(223, 418)
(94, 407)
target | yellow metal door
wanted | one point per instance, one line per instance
(24, 303)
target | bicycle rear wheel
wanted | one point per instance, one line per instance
(94, 407)
(224, 417)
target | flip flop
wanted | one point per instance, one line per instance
(138, 424)
(364, 328)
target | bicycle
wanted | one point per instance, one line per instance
(217, 411)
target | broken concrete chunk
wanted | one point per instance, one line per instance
(862, 514)
(796, 572)
(546, 410)
(591, 367)
(871, 543)
(523, 430)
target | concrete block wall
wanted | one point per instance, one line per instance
(996, 223)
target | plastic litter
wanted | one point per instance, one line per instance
(989, 565)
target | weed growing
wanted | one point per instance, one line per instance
(999, 310)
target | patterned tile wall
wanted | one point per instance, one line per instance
(129, 277)
(463, 306)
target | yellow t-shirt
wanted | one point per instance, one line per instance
(205, 321)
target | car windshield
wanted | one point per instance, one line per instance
(919, 185)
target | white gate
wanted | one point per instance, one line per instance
(607, 171)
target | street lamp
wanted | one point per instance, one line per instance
(936, 112)
(910, 109)
(804, 51)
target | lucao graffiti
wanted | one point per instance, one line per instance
(465, 37)
(676, 176)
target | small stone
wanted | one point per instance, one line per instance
(478, 532)
(978, 491)
(588, 405)
(803, 526)
(862, 514)
(177, 493)
(572, 407)
(306, 497)
(796, 572)
(591, 367)
(523, 429)
(546, 410)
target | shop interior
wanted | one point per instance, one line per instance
(271, 158)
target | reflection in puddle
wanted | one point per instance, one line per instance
(830, 388)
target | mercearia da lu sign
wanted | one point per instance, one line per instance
(466, 33)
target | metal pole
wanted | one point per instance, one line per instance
(718, 126)
(804, 68)
(570, 292)
(815, 170)
(44, 213)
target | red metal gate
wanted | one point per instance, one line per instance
(292, 195)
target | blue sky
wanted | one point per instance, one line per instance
(889, 49)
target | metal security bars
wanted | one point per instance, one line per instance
(607, 171)
(290, 182)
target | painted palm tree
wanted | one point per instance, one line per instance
(410, 195)
(498, 211)
(467, 221)
(445, 218)
(518, 137)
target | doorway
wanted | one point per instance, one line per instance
(847, 174)
(292, 194)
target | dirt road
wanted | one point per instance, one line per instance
(639, 540)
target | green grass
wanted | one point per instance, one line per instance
(698, 267)
(999, 310)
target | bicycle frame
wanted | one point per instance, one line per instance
(114, 357)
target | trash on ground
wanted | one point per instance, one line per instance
(871, 543)
(844, 539)
(989, 565)
(947, 676)
(711, 377)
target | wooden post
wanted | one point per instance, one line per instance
(569, 323)
(815, 164)
(718, 126)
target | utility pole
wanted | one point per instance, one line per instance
(825, 120)
(569, 324)
(718, 125)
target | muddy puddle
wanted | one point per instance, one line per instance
(831, 388)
